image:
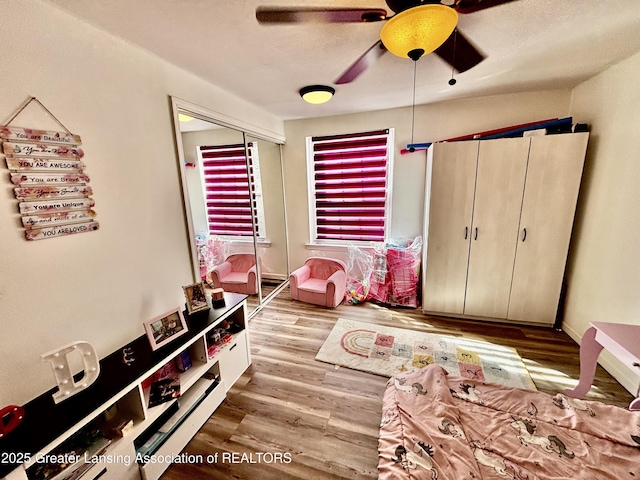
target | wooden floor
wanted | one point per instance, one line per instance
(324, 420)
(265, 289)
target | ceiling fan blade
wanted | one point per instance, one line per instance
(367, 59)
(459, 52)
(319, 15)
(470, 6)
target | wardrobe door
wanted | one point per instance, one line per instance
(502, 168)
(450, 204)
(550, 196)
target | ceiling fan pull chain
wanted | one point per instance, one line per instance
(453, 62)
(413, 105)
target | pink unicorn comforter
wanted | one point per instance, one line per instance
(437, 426)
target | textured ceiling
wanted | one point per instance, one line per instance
(530, 45)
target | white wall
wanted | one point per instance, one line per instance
(604, 268)
(433, 122)
(98, 286)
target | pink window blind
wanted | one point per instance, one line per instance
(350, 177)
(229, 189)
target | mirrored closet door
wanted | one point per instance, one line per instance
(234, 204)
(271, 238)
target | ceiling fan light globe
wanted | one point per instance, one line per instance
(423, 27)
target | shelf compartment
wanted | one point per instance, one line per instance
(192, 411)
(67, 461)
(128, 407)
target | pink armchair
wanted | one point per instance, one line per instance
(237, 274)
(321, 281)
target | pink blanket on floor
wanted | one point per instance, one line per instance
(438, 426)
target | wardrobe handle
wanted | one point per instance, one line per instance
(466, 232)
(476, 234)
(524, 234)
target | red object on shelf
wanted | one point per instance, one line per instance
(486, 133)
(10, 418)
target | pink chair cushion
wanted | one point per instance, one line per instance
(314, 285)
(236, 277)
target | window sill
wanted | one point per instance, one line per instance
(263, 242)
(339, 247)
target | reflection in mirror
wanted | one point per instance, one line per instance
(219, 192)
(232, 184)
(271, 239)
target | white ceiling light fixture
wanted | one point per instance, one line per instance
(317, 94)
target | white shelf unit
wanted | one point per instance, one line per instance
(203, 388)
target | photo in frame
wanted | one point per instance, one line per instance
(196, 298)
(165, 328)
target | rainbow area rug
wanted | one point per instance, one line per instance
(386, 351)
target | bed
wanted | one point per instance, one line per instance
(438, 426)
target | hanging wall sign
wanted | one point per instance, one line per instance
(49, 177)
(59, 218)
(27, 208)
(41, 233)
(41, 150)
(38, 136)
(44, 164)
(45, 192)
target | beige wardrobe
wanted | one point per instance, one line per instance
(499, 216)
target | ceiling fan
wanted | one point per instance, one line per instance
(456, 50)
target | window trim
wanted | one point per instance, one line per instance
(311, 190)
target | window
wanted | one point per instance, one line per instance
(349, 186)
(232, 189)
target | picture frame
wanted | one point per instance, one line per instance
(196, 298)
(165, 328)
